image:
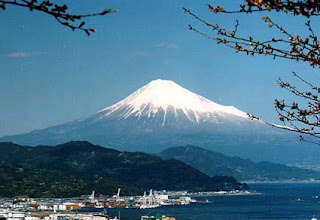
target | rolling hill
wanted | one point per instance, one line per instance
(144, 171)
(213, 163)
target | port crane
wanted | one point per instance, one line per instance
(118, 195)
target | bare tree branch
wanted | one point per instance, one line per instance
(305, 8)
(59, 12)
(303, 115)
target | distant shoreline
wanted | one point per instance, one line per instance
(279, 182)
(227, 194)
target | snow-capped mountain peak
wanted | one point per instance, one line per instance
(163, 114)
(163, 95)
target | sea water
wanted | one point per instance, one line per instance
(277, 201)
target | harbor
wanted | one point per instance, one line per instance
(97, 207)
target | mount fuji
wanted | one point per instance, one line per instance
(162, 99)
(163, 114)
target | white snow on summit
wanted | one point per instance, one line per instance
(164, 94)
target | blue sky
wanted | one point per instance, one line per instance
(50, 75)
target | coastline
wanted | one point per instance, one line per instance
(282, 181)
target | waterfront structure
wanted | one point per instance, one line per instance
(11, 214)
(163, 217)
(150, 201)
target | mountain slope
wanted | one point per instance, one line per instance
(83, 159)
(161, 106)
(163, 96)
(213, 163)
(163, 114)
(18, 180)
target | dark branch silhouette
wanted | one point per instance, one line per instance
(305, 8)
(301, 116)
(59, 12)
